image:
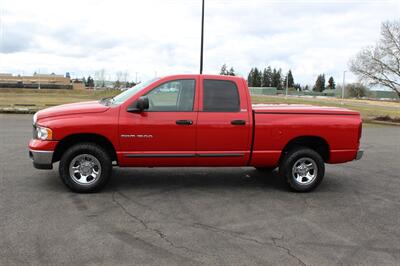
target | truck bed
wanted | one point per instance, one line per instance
(276, 125)
(300, 109)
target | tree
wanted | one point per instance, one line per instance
(267, 77)
(90, 82)
(231, 72)
(319, 83)
(290, 80)
(380, 65)
(250, 78)
(356, 90)
(297, 86)
(276, 79)
(331, 84)
(256, 78)
(269, 74)
(224, 70)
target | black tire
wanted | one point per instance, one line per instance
(266, 169)
(298, 156)
(92, 150)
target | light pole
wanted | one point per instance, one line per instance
(202, 38)
(344, 84)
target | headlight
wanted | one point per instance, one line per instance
(44, 133)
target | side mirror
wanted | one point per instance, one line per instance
(139, 105)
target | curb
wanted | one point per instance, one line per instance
(10, 110)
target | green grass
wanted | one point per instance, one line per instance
(39, 99)
(43, 98)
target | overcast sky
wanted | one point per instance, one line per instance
(163, 36)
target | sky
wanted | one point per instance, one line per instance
(162, 37)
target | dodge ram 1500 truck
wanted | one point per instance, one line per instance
(189, 121)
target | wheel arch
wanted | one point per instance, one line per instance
(73, 139)
(316, 143)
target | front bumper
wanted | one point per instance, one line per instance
(360, 154)
(41, 159)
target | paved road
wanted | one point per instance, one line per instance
(197, 216)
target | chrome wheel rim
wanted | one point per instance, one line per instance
(84, 169)
(304, 171)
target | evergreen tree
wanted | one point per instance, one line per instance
(231, 72)
(331, 84)
(297, 87)
(90, 82)
(257, 76)
(274, 83)
(276, 80)
(290, 80)
(84, 81)
(319, 83)
(266, 77)
(224, 70)
(269, 75)
(250, 78)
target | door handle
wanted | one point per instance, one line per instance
(238, 122)
(184, 122)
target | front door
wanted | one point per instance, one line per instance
(165, 134)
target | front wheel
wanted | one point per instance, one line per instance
(85, 167)
(303, 169)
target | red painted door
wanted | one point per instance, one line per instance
(223, 124)
(165, 134)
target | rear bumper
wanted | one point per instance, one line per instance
(41, 159)
(360, 154)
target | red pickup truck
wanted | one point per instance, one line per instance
(192, 120)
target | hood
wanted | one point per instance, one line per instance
(72, 108)
(301, 109)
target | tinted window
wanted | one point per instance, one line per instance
(220, 96)
(172, 96)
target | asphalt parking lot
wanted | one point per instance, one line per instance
(201, 215)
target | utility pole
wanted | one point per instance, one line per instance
(344, 84)
(202, 38)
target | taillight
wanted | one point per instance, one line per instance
(359, 131)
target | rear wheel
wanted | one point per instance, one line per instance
(85, 168)
(303, 169)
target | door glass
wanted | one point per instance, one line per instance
(220, 96)
(172, 96)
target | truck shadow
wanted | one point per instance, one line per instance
(194, 178)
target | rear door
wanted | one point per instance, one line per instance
(223, 123)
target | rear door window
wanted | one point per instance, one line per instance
(220, 96)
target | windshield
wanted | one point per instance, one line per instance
(122, 97)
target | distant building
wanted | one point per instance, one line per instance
(46, 81)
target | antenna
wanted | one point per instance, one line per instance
(202, 38)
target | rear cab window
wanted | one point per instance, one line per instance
(220, 96)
